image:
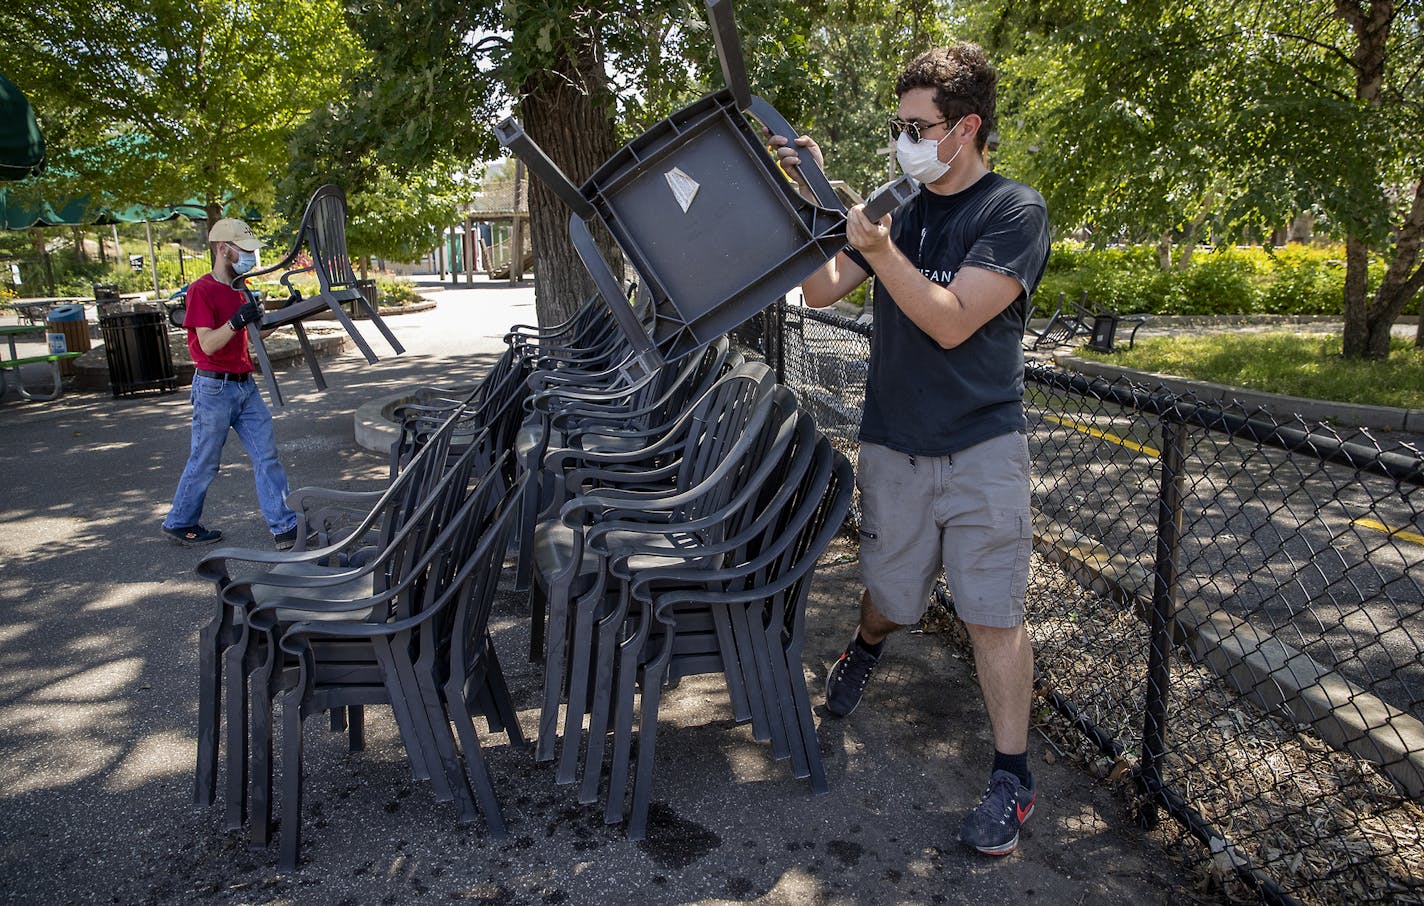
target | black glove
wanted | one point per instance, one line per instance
(248, 313)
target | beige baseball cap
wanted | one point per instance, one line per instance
(230, 229)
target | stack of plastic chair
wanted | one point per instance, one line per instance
(384, 518)
(422, 646)
(688, 471)
(605, 419)
(760, 589)
(627, 542)
(387, 585)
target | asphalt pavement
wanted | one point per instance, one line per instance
(99, 616)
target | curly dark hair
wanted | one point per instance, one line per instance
(964, 82)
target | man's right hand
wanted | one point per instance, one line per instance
(788, 155)
(245, 315)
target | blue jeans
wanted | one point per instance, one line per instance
(217, 406)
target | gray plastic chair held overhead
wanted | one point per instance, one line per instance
(702, 211)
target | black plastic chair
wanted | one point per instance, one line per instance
(322, 234)
(764, 594)
(681, 199)
(440, 607)
(1062, 328)
(693, 451)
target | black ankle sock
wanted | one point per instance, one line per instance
(1014, 764)
(873, 649)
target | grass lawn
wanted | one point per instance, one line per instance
(1295, 364)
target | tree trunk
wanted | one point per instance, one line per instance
(37, 237)
(567, 113)
(214, 215)
(1357, 328)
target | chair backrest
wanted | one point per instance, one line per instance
(737, 406)
(324, 229)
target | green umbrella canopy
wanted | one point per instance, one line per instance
(80, 211)
(22, 147)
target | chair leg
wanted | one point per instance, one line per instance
(653, 674)
(727, 644)
(356, 728)
(474, 762)
(580, 652)
(239, 661)
(263, 693)
(629, 655)
(608, 649)
(309, 354)
(340, 314)
(407, 708)
(292, 778)
(210, 659)
(556, 652)
(503, 702)
(254, 335)
(431, 712)
(381, 326)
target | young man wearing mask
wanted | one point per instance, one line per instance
(944, 468)
(224, 394)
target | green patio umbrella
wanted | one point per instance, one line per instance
(22, 147)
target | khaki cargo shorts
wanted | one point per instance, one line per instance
(967, 513)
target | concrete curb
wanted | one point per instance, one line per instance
(375, 426)
(1385, 418)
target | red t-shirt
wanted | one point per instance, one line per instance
(212, 304)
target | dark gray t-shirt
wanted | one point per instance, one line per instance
(929, 401)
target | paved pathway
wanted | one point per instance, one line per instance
(98, 624)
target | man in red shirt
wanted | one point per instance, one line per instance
(224, 395)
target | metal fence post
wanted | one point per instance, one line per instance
(1164, 594)
(778, 339)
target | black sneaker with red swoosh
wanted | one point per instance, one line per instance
(993, 827)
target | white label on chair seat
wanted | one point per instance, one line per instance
(684, 187)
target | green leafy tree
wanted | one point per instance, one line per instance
(582, 79)
(156, 102)
(1178, 119)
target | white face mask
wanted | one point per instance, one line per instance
(920, 160)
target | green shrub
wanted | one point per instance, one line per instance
(1296, 280)
(397, 291)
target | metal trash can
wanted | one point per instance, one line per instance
(136, 344)
(369, 290)
(66, 330)
(106, 298)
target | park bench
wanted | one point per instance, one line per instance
(54, 358)
(1103, 324)
(322, 234)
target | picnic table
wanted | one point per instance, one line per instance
(12, 332)
(33, 310)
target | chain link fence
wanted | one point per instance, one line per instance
(1227, 609)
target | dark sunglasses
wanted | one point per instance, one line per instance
(901, 127)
